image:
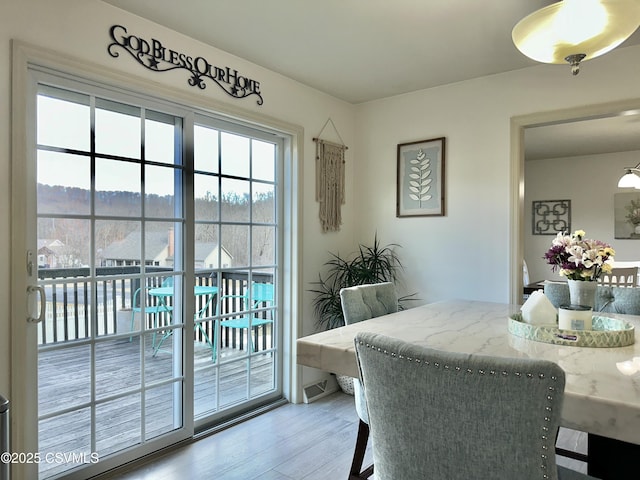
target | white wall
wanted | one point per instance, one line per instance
(590, 182)
(466, 254)
(80, 29)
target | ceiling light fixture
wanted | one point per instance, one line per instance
(576, 30)
(630, 179)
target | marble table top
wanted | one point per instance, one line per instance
(599, 398)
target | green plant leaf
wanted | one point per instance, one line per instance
(370, 264)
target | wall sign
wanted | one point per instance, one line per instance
(154, 56)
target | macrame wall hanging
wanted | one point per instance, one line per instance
(330, 180)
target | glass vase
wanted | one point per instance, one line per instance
(583, 293)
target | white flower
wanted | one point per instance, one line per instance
(575, 254)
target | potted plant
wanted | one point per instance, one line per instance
(370, 264)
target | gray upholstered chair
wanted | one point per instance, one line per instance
(362, 303)
(454, 416)
(624, 300)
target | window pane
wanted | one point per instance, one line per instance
(235, 155)
(118, 424)
(117, 129)
(51, 443)
(162, 403)
(64, 181)
(64, 242)
(206, 197)
(117, 188)
(235, 240)
(206, 232)
(117, 243)
(264, 205)
(235, 200)
(160, 135)
(159, 191)
(263, 160)
(63, 123)
(205, 377)
(74, 375)
(206, 247)
(205, 149)
(112, 375)
(160, 244)
(263, 248)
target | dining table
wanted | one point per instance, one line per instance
(601, 398)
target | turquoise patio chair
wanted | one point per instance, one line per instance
(155, 311)
(263, 295)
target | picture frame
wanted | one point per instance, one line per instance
(626, 214)
(420, 188)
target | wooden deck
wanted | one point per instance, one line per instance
(120, 373)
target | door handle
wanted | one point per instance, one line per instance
(36, 289)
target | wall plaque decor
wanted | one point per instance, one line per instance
(550, 217)
(626, 214)
(154, 56)
(420, 182)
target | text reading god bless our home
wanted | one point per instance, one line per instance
(157, 51)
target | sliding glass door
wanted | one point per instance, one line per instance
(110, 226)
(236, 243)
(158, 251)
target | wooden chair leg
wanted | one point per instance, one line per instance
(358, 455)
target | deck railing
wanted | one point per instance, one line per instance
(68, 303)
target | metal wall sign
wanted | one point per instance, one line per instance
(154, 56)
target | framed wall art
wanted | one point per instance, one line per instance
(420, 178)
(626, 214)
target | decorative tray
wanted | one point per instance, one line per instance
(606, 332)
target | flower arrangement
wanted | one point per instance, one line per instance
(578, 258)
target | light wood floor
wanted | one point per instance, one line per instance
(292, 442)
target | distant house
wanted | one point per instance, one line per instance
(128, 251)
(206, 256)
(51, 253)
(159, 251)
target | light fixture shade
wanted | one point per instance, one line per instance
(629, 180)
(576, 27)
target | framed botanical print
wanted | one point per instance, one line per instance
(420, 178)
(626, 214)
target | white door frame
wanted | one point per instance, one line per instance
(23, 395)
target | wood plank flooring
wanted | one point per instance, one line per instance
(292, 442)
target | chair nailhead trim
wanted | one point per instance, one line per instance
(541, 376)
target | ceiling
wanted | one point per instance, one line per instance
(620, 133)
(363, 50)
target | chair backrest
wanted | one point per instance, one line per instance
(608, 299)
(454, 416)
(363, 302)
(620, 277)
(262, 293)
